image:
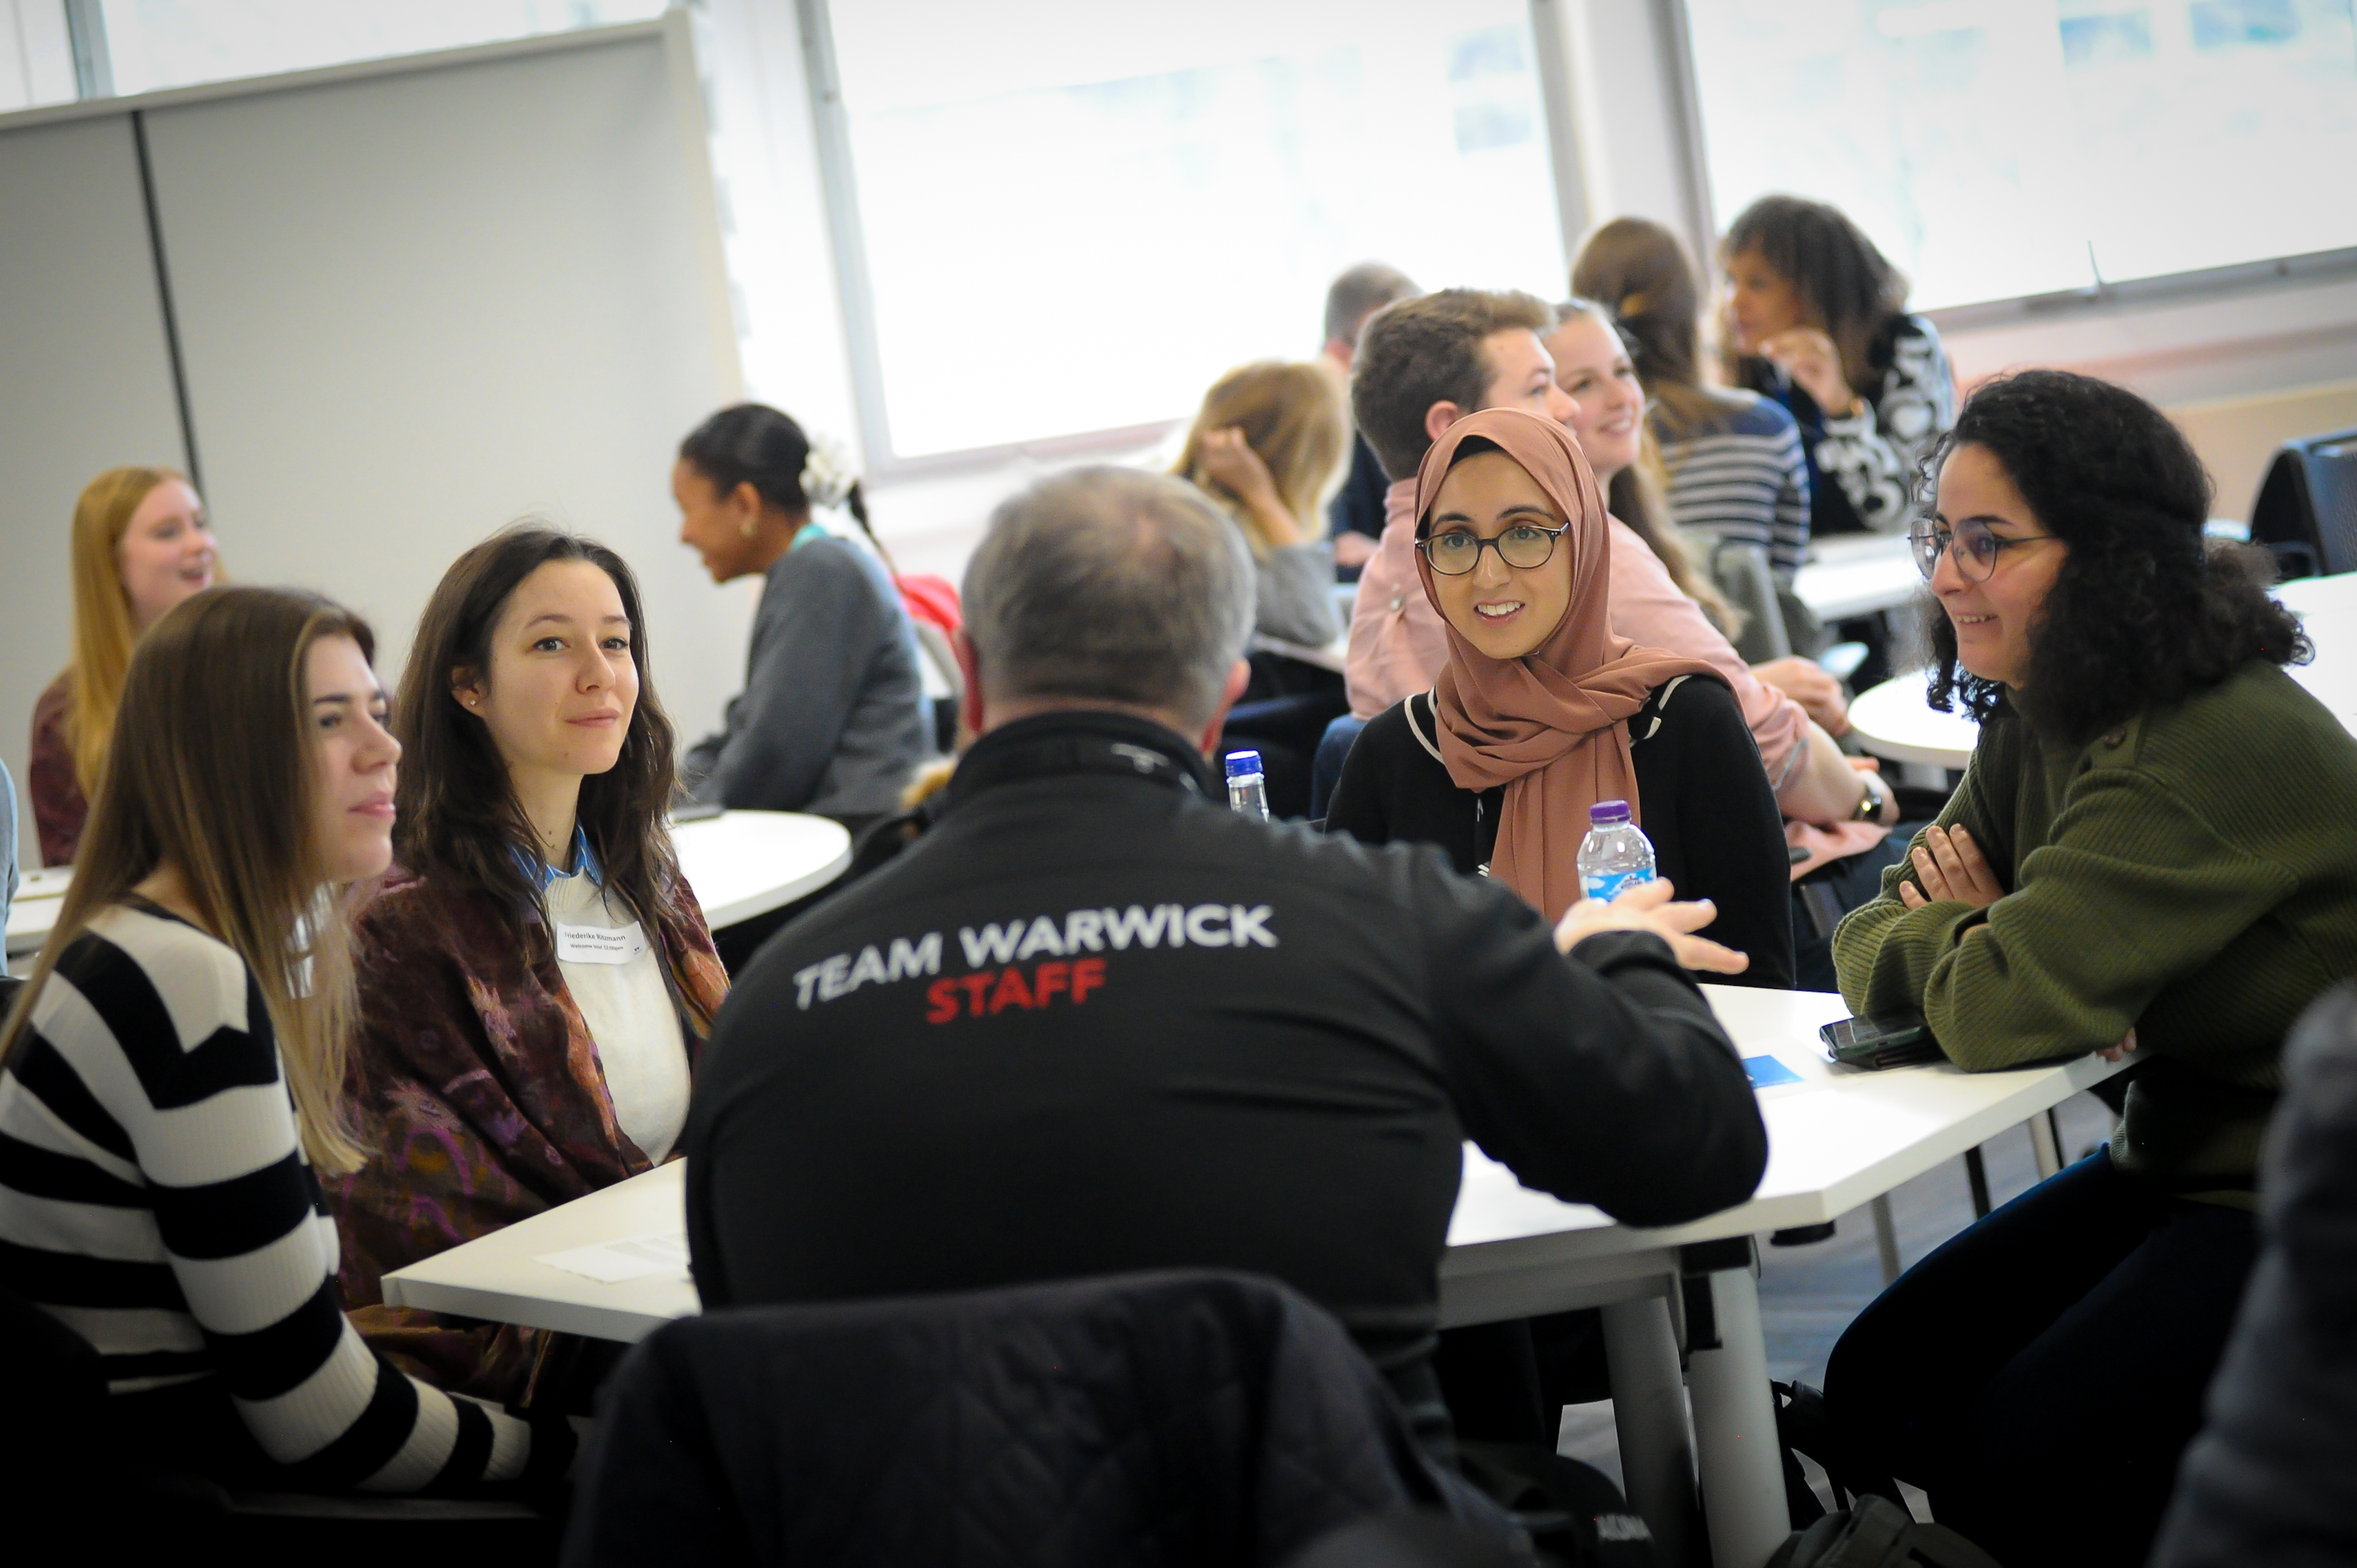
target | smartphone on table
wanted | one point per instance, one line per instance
(1885, 1040)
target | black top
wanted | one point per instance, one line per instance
(1358, 506)
(1094, 1022)
(1863, 467)
(1702, 792)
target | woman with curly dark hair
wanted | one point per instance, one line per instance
(1816, 319)
(2153, 853)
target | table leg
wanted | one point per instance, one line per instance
(2042, 1144)
(1649, 1412)
(1735, 1428)
(1886, 1240)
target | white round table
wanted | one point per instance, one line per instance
(740, 865)
(1895, 721)
(743, 863)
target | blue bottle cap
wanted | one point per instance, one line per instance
(1608, 813)
(1243, 764)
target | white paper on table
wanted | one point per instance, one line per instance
(633, 1258)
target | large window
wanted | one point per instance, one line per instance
(1996, 148)
(1069, 224)
(154, 44)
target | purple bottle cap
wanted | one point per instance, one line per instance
(1608, 813)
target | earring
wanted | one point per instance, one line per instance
(748, 529)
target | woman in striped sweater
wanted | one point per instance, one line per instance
(170, 1078)
(1732, 458)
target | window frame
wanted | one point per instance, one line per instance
(838, 182)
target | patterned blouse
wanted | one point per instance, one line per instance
(478, 1085)
(1862, 466)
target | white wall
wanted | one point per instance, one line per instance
(415, 301)
(416, 307)
(85, 385)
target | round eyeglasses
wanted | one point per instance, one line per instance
(1459, 551)
(1975, 549)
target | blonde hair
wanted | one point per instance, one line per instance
(1296, 416)
(103, 629)
(214, 776)
(1639, 496)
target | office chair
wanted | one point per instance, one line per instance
(2306, 511)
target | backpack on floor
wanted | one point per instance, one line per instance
(1576, 1517)
(1877, 1533)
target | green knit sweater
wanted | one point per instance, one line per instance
(2191, 874)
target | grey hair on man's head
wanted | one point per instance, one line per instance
(1114, 585)
(1358, 294)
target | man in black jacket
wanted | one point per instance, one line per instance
(1093, 1021)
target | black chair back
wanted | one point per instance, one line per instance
(1164, 1418)
(2306, 511)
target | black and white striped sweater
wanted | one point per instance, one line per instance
(154, 1197)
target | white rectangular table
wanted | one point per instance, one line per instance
(1851, 574)
(1838, 1139)
(2328, 612)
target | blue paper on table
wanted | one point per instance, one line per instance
(1767, 1072)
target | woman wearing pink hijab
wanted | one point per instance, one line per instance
(1542, 713)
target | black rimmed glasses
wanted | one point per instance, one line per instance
(1459, 551)
(1970, 542)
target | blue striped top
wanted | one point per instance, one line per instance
(1739, 474)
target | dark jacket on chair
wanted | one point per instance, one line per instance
(1160, 1418)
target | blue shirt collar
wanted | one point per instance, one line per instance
(583, 858)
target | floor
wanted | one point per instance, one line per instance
(1808, 1294)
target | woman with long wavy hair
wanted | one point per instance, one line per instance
(142, 543)
(2152, 853)
(536, 976)
(172, 1072)
(1816, 319)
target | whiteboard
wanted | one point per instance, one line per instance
(85, 385)
(415, 301)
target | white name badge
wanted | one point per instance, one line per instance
(599, 944)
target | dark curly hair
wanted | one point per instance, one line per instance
(2144, 610)
(1848, 283)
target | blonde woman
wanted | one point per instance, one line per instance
(141, 544)
(169, 1079)
(1270, 446)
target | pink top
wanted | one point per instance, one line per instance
(1399, 646)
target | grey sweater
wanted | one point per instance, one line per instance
(832, 718)
(1295, 594)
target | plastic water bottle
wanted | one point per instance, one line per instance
(1248, 791)
(1615, 855)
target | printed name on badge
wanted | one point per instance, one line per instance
(599, 944)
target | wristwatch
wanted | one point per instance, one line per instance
(1869, 804)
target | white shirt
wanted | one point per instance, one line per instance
(629, 1009)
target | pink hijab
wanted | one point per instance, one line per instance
(1552, 725)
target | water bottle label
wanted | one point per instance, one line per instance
(1606, 886)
